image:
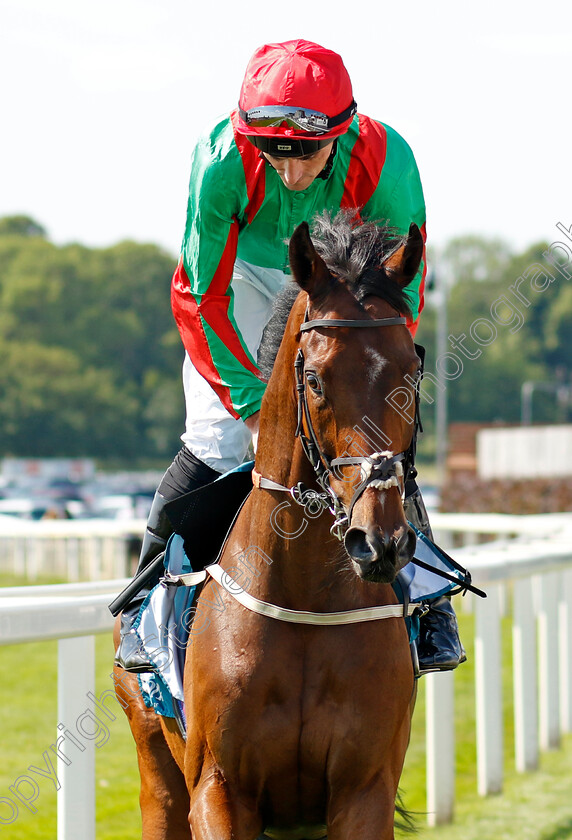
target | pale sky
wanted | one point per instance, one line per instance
(101, 103)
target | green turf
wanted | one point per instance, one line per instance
(535, 806)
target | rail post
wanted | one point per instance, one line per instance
(76, 767)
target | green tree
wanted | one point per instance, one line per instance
(88, 343)
(91, 356)
(472, 258)
(21, 226)
(529, 337)
(51, 404)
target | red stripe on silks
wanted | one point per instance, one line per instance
(254, 170)
(223, 274)
(366, 162)
(215, 302)
(412, 326)
(186, 314)
(424, 275)
(215, 312)
(213, 309)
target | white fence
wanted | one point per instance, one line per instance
(74, 549)
(539, 574)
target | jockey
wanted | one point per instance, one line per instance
(294, 147)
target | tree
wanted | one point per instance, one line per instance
(52, 405)
(91, 357)
(21, 226)
(508, 324)
(473, 258)
(88, 342)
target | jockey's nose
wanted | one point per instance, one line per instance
(293, 171)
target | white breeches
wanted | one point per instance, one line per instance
(211, 433)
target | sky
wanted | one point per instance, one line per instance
(101, 103)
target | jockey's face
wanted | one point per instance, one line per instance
(297, 173)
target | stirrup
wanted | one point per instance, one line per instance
(420, 671)
(131, 656)
(435, 669)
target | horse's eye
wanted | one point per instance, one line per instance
(314, 382)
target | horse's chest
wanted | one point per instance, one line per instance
(305, 696)
(292, 713)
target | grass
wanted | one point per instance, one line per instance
(536, 806)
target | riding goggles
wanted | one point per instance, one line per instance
(282, 147)
(299, 119)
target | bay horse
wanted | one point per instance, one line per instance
(298, 722)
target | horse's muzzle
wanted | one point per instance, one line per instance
(379, 556)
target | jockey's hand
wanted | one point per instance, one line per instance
(252, 424)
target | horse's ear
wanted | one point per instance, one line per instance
(404, 262)
(308, 268)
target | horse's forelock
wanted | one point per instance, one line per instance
(353, 250)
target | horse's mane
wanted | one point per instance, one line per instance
(354, 251)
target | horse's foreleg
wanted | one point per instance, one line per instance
(368, 814)
(216, 815)
(163, 798)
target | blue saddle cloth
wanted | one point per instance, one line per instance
(163, 627)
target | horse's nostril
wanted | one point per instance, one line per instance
(368, 545)
(359, 544)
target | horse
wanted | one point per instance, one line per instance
(299, 709)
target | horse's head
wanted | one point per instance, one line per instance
(356, 374)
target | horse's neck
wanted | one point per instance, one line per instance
(278, 525)
(279, 454)
(290, 552)
(284, 462)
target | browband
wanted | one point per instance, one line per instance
(341, 322)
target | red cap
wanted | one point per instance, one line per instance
(299, 74)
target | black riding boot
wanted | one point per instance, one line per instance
(439, 647)
(130, 654)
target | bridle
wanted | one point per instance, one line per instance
(380, 469)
